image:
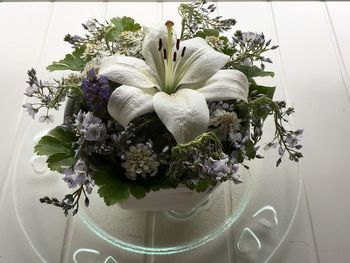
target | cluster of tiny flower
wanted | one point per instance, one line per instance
(226, 125)
(79, 176)
(129, 43)
(205, 168)
(196, 16)
(90, 127)
(96, 91)
(140, 160)
(291, 143)
(222, 169)
(92, 49)
(215, 42)
(47, 95)
(249, 46)
(123, 139)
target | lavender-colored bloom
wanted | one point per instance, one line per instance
(29, 108)
(31, 90)
(96, 91)
(221, 169)
(47, 118)
(93, 128)
(90, 127)
(79, 176)
(69, 178)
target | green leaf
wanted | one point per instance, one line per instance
(207, 33)
(125, 24)
(138, 191)
(58, 146)
(62, 134)
(253, 71)
(59, 161)
(202, 186)
(49, 145)
(249, 148)
(268, 91)
(74, 61)
(119, 25)
(111, 188)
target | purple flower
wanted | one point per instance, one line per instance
(96, 91)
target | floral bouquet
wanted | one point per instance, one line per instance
(147, 109)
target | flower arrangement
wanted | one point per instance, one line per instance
(147, 109)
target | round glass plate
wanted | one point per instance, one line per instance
(238, 223)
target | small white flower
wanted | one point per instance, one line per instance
(140, 160)
(225, 122)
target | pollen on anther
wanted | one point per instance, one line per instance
(177, 44)
(164, 53)
(160, 44)
(174, 57)
(183, 51)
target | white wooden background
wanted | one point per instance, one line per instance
(312, 69)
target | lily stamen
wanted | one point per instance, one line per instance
(183, 51)
(174, 57)
(164, 53)
(160, 45)
(177, 44)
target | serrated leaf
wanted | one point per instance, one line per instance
(111, 188)
(202, 186)
(49, 145)
(74, 61)
(121, 24)
(62, 134)
(249, 149)
(254, 71)
(138, 191)
(125, 24)
(58, 146)
(59, 161)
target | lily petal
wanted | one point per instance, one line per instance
(225, 85)
(126, 103)
(199, 63)
(150, 49)
(129, 71)
(185, 113)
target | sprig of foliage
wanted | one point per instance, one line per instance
(196, 17)
(104, 36)
(248, 47)
(69, 202)
(48, 95)
(187, 161)
(75, 61)
(288, 140)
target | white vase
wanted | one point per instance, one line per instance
(180, 199)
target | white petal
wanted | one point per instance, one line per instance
(150, 49)
(128, 71)
(126, 103)
(185, 113)
(199, 62)
(225, 85)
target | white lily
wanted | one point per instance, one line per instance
(175, 80)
